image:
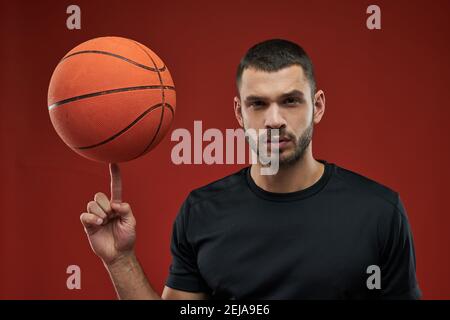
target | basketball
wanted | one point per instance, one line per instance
(111, 99)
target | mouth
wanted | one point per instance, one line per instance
(281, 143)
(280, 139)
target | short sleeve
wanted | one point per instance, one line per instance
(398, 260)
(183, 271)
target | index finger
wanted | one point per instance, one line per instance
(116, 183)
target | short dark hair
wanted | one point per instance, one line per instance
(274, 55)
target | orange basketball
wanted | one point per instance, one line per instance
(111, 99)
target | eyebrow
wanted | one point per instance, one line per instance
(294, 92)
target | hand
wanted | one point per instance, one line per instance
(111, 228)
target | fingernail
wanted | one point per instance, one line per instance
(99, 221)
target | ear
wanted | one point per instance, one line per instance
(238, 111)
(319, 106)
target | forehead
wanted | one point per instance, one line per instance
(272, 84)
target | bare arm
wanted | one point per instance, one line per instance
(129, 279)
(130, 282)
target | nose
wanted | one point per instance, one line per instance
(273, 117)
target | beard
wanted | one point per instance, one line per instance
(300, 145)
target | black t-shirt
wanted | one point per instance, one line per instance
(234, 240)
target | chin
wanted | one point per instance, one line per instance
(285, 157)
(290, 157)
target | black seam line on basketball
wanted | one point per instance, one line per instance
(163, 98)
(154, 107)
(156, 69)
(100, 93)
(163, 104)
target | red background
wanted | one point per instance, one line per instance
(387, 118)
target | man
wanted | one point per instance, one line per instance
(313, 230)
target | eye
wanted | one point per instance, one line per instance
(257, 103)
(291, 101)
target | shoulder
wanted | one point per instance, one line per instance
(370, 191)
(379, 203)
(229, 184)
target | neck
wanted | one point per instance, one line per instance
(290, 178)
